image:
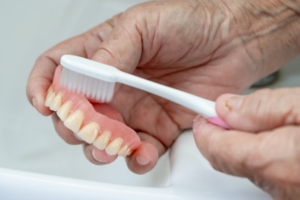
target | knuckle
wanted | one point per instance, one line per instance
(134, 12)
(138, 12)
(40, 58)
(258, 103)
(266, 92)
(144, 7)
(261, 94)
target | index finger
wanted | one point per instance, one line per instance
(42, 73)
(41, 76)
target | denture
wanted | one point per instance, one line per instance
(79, 115)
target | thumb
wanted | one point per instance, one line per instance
(263, 110)
(122, 48)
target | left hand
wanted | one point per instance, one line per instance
(264, 144)
(202, 47)
(169, 42)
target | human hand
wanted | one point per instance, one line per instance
(200, 47)
(264, 143)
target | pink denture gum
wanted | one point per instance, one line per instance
(88, 122)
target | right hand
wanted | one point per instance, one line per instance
(199, 46)
(264, 145)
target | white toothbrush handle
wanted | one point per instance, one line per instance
(202, 106)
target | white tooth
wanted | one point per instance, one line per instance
(128, 152)
(102, 140)
(89, 132)
(50, 89)
(64, 111)
(123, 150)
(56, 102)
(49, 98)
(114, 146)
(74, 121)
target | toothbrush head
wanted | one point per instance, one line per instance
(94, 80)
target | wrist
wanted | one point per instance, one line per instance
(269, 31)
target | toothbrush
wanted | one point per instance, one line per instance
(96, 81)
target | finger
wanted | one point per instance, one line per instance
(67, 135)
(269, 159)
(145, 158)
(123, 47)
(38, 82)
(96, 156)
(141, 161)
(42, 73)
(262, 110)
(227, 150)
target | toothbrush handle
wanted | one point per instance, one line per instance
(202, 106)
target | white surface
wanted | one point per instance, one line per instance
(28, 142)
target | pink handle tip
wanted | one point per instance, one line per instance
(217, 121)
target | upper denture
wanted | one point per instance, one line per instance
(114, 146)
(89, 132)
(49, 98)
(56, 102)
(64, 111)
(74, 121)
(102, 141)
(79, 115)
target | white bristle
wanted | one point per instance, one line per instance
(94, 89)
(88, 88)
(80, 84)
(98, 95)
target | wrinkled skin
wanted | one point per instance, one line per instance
(198, 46)
(267, 147)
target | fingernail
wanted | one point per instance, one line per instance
(234, 102)
(96, 158)
(34, 102)
(142, 161)
(198, 122)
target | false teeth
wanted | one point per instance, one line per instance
(64, 111)
(56, 102)
(102, 141)
(114, 146)
(89, 132)
(74, 121)
(50, 89)
(128, 152)
(50, 96)
(123, 151)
